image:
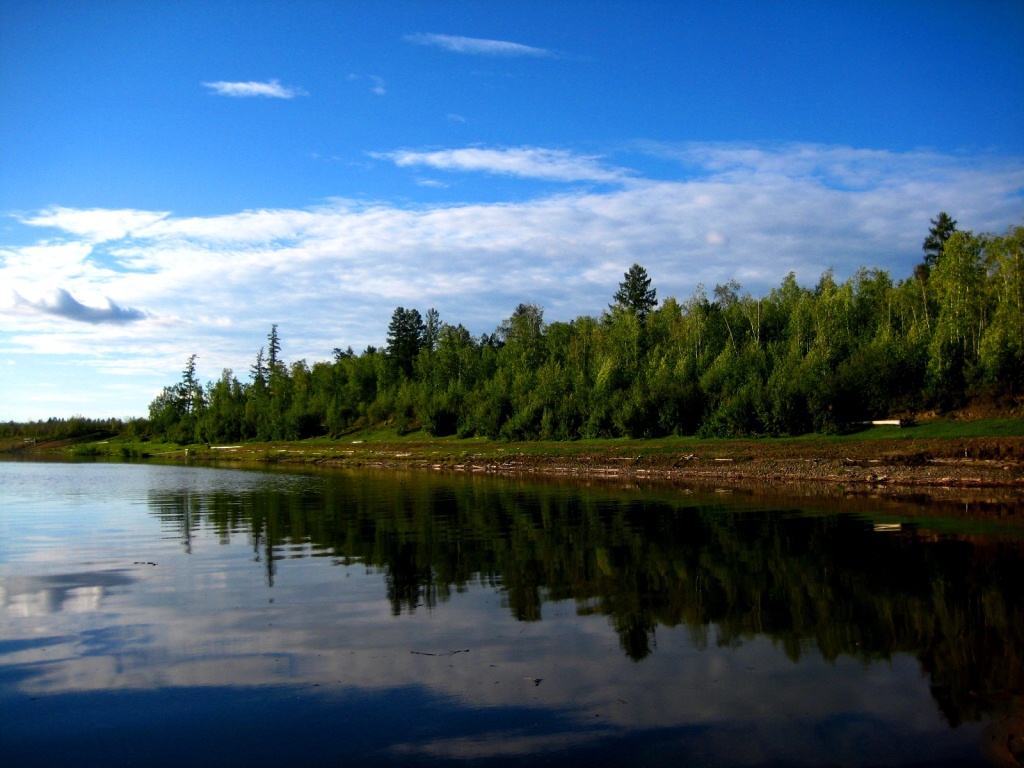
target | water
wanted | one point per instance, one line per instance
(166, 615)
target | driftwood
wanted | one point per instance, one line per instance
(447, 653)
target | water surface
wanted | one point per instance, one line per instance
(172, 615)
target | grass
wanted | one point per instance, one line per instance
(933, 430)
(968, 429)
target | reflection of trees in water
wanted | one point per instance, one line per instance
(410, 583)
(828, 582)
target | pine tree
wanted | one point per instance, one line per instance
(635, 293)
(405, 338)
(431, 330)
(273, 349)
(258, 371)
(191, 391)
(943, 227)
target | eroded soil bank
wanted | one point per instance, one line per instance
(902, 460)
(955, 463)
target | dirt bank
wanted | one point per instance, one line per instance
(953, 463)
(901, 462)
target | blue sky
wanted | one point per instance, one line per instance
(175, 177)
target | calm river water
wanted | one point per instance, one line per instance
(185, 616)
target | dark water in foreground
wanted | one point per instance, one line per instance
(183, 616)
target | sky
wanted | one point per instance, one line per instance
(176, 177)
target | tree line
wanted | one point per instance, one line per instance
(718, 364)
(76, 427)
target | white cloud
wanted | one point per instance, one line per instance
(477, 46)
(377, 84)
(331, 275)
(526, 162)
(95, 225)
(836, 167)
(271, 89)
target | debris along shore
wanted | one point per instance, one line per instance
(937, 462)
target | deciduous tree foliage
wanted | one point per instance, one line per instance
(796, 360)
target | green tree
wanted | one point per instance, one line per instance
(523, 331)
(451, 375)
(258, 371)
(431, 330)
(190, 390)
(273, 349)
(164, 411)
(514, 388)
(943, 227)
(958, 285)
(1002, 346)
(635, 293)
(727, 298)
(224, 415)
(405, 339)
(175, 411)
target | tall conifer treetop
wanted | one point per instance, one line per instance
(943, 227)
(405, 338)
(273, 349)
(635, 293)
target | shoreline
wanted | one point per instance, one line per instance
(876, 462)
(872, 472)
(964, 464)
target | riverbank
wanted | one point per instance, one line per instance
(976, 463)
(987, 454)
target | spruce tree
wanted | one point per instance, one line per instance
(635, 293)
(273, 349)
(405, 338)
(943, 227)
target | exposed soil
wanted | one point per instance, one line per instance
(964, 463)
(953, 463)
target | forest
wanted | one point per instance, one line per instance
(796, 361)
(724, 364)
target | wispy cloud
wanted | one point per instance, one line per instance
(271, 89)
(94, 224)
(526, 162)
(63, 304)
(377, 84)
(837, 167)
(477, 46)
